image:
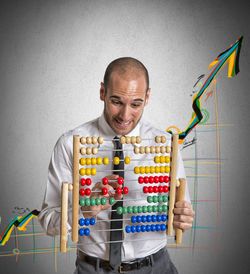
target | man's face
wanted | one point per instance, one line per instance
(124, 102)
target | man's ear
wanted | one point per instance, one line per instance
(148, 93)
(102, 91)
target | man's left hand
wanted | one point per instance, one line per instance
(183, 215)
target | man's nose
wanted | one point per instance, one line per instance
(125, 113)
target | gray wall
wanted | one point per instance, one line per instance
(52, 58)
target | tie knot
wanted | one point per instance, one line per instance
(117, 142)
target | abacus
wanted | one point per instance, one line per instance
(157, 179)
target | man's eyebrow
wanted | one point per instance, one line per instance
(119, 98)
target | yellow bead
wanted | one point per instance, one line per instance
(94, 140)
(128, 140)
(116, 161)
(157, 149)
(157, 169)
(93, 161)
(142, 169)
(163, 139)
(158, 139)
(89, 150)
(88, 161)
(93, 171)
(127, 160)
(147, 149)
(142, 150)
(162, 169)
(152, 149)
(133, 140)
(167, 169)
(83, 150)
(83, 140)
(157, 159)
(82, 161)
(152, 169)
(105, 160)
(162, 159)
(168, 149)
(167, 159)
(163, 149)
(89, 140)
(147, 169)
(100, 140)
(88, 171)
(137, 170)
(82, 171)
(136, 150)
(122, 140)
(138, 139)
(99, 160)
(94, 150)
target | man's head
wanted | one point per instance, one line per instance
(125, 93)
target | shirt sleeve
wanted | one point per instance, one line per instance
(59, 171)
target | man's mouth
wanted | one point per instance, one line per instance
(122, 124)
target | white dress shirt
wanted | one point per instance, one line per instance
(135, 245)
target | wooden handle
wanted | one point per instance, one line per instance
(173, 182)
(64, 218)
(180, 196)
(75, 197)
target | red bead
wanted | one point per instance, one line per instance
(83, 181)
(150, 189)
(82, 191)
(151, 179)
(155, 189)
(87, 191)
(120, 180)
(125, 190)
(166, 179)
(145, 189)
(146, 179)
(165, 189)
(156, 179)
(118, 190)
(104, 191)
(161, 179)
(105, 181)
(88, 181)
(140, 180)
(160, 189)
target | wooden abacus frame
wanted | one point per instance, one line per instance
(177, 193)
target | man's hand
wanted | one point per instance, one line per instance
(183, 215)
(92, 211)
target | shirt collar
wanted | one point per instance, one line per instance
(106, 130)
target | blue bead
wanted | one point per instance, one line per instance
(143, 218)
(163, 227)
(153, 227)
(164, 217)
(138, 219)
(86, 231)
(138, 228)
(143, 228)
(92, 221)
(81, 222)
(149, 219)
(128, 229)
(148, 228)
(154, 219)
(159, 219)
(87, 221)
(133, 219)
(81, 231)
(157, 227)
(133, 228)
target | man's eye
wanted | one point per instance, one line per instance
(116, 102)
(136, 105)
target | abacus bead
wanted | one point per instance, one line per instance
(162, 149)
(87, 191)
(153, 228)
(105, 160)
(158, 139)
(100, 140)
(159, 218)
(157, 149)
(163, 227)
(125, 190)
(133, 228)
(88, 150)
(155, 189)
(148, 228)
(93, 161)
(88, 161)
(136, 150)
(128, 229)
(118, 190)
(168, 149)
(164, 198)
(147, 149)
(88, 140)
(149, 218)
(167, 169)
(92, 221)
(92, 201)
(144, 209)
(151, 179)
(94, 140)
(159, 208)
(104, 191)
(138, 219)
(83, 140)
(86, 231)
(146, 179)
(142, 169)
(163, 139)
(155, 199)
(149, 199)
(138, 139)
(120, 180)
(81, 231)
(116, 161)
(103, 201)
(139, 209)
(128, 140)
(137, 170)
(87, 202)
(156, 179)
(124, 210)
(152, 169)
(105, 181)
(82, 181)
(164, 208)
(129, 209)
(160, 197)
(82, 161)
(161, 179)
(122, 140)
(154, 208)
(99, 160)
(157, 227)
(88, 171)
(152, 149)
(162, 159)
(82, 171)
(111, 200)
(154, 218)
(142, 150)
(143, 228)
(83, 150)
(94, 150)
(135, 209)
(163, 169)
(138, 228)
(147, 169)
(144, 218)
(140, 180)
(157, 169)
(98, 201)
(82, 202)
(133, 140)
(165, 189)
(145, 189)
(150, 189)
(127, 160)
(87, 221)
(82, 192)
(149, 208)
(81, 222)
(88, 181)
(164, 217)
(167, 159)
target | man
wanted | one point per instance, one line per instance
(125, 92)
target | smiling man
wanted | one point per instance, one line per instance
(125, 92)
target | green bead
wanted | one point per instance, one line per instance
(124, 210)
(165, 198)
(87, 202)
(111, 200)
(144, 209)
(119, 210)
(135, 209)
(164, 208)
(149, 209)
(159, 208)
(92, 202)
(103, 201)
(154, 208)
(130, 209)
(150, 199)
(155, 199)
(97, 201)
(82, 202)
(160, 199)
(139, 209)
